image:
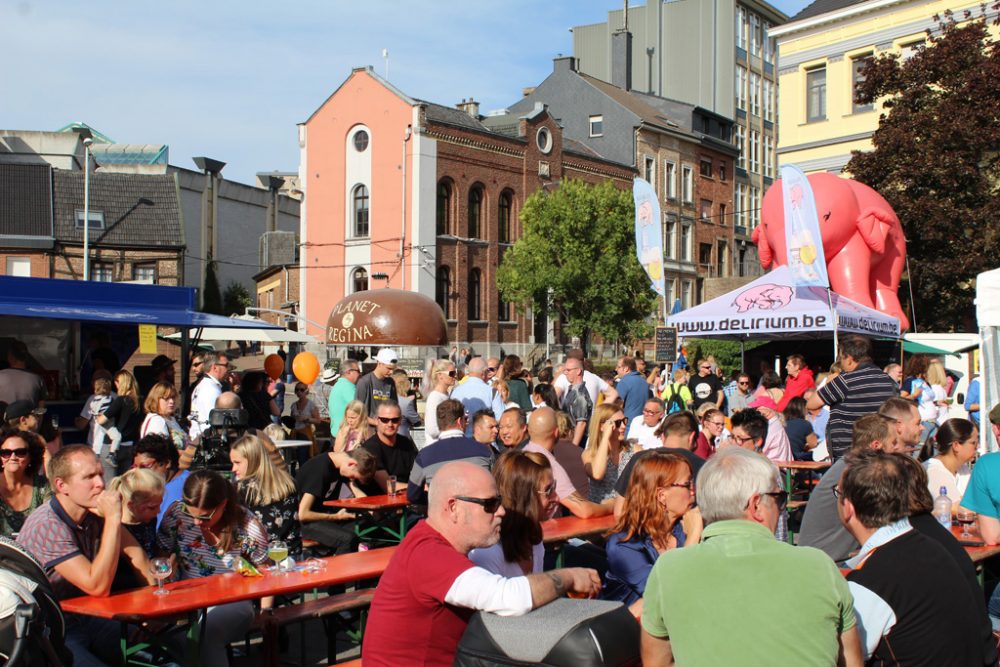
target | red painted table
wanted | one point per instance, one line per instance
(566, 527)
(193, 596)
(375, 505)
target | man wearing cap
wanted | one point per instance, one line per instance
(376, 387)
(163, 369)
(23, 415)
(203, 398)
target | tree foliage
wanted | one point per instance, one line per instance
(935, 159)
(235, 299)
(578, 247)
(211, 301)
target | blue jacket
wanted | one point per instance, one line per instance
(629, 565)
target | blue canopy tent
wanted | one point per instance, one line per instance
(32, 301)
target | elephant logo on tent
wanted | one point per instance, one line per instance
(764, 297)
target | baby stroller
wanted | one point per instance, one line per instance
(32, 630)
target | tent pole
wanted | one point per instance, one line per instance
(833, 315)
(185, 367)
(743, 353)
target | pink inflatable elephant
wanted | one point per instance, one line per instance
(862, 240)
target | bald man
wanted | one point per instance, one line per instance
(431, 588)
(543, 431)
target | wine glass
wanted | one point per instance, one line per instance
(965, 518)
(55, 421)
(277, 551)
(161, 569)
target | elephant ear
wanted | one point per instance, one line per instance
(874, 224)
(763, 247)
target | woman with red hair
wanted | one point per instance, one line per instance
(658, 516)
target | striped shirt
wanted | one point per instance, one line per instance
(850, 397)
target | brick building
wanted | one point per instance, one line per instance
(135, 225)
(405, 193)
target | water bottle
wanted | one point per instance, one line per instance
(942, 508)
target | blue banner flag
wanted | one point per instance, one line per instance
(648, 232)
(802, 236)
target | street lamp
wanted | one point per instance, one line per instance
(88, 140)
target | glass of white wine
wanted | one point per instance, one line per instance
(277, 551)
(161, 569)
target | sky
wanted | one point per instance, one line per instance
(231, 79)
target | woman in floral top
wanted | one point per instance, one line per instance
(23, 486)
(267, 491)
(208, 531)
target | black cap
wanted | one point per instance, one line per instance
(19, 409)
(160, 362)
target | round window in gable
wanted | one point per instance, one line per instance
(360, 141)
(544, 140)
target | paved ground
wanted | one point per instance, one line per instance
(315, 648)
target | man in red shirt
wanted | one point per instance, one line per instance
(430, 588)
(800, 379)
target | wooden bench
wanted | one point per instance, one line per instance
(326, 609)
(350, 663)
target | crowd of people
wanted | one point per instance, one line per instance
(685, 463)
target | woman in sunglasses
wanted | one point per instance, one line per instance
(442, 381)
(657, 517)
(607, 451)
(353, 429)
(23, 486)
(267, 490)
(209, 531)
(528, 495)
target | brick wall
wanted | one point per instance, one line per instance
(39, 262)
(168, 263)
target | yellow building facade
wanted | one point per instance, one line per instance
(820, 52)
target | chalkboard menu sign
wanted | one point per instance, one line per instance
(666, 345)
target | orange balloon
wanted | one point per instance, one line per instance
(274, 366)
(305, 365)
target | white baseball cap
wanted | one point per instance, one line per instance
(387, 356)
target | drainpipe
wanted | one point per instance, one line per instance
(402, 235)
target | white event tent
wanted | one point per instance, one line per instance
(988, 319)
(771, 307)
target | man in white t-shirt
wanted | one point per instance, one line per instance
(642, 430)
(203, 397)
(594, 384)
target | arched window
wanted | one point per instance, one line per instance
(359, 280)
(443, 290)
(475, 211)
(360, 211)
(474, 295)
(503, 216)
(444, 208)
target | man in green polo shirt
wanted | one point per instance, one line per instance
(722, 601)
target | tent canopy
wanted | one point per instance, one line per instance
(122, 303)
(913, 347)
(261, 333)
(771, 307)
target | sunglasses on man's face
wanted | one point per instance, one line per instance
(489, 505)
(390, 420)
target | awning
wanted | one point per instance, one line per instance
(122, 303)
(913, 347)
(257, 333)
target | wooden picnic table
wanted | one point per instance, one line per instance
(567, 527)
(977, 554)
(375, 505)
(193, 596)
(788, 466)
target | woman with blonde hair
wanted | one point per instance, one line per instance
(938, 380)
(354, 428)
(141, 490)
(528, 495)
(267, 490)
(607, 451)
(124, 414)
(441, 381)
(161, 403)
(657, 516)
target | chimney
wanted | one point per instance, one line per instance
(564, 64)
(621, 59)
(470, 106)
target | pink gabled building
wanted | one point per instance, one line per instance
(426, 197)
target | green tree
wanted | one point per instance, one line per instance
(235, 299)
(935, 160)
(578, 248)
(211, 300)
